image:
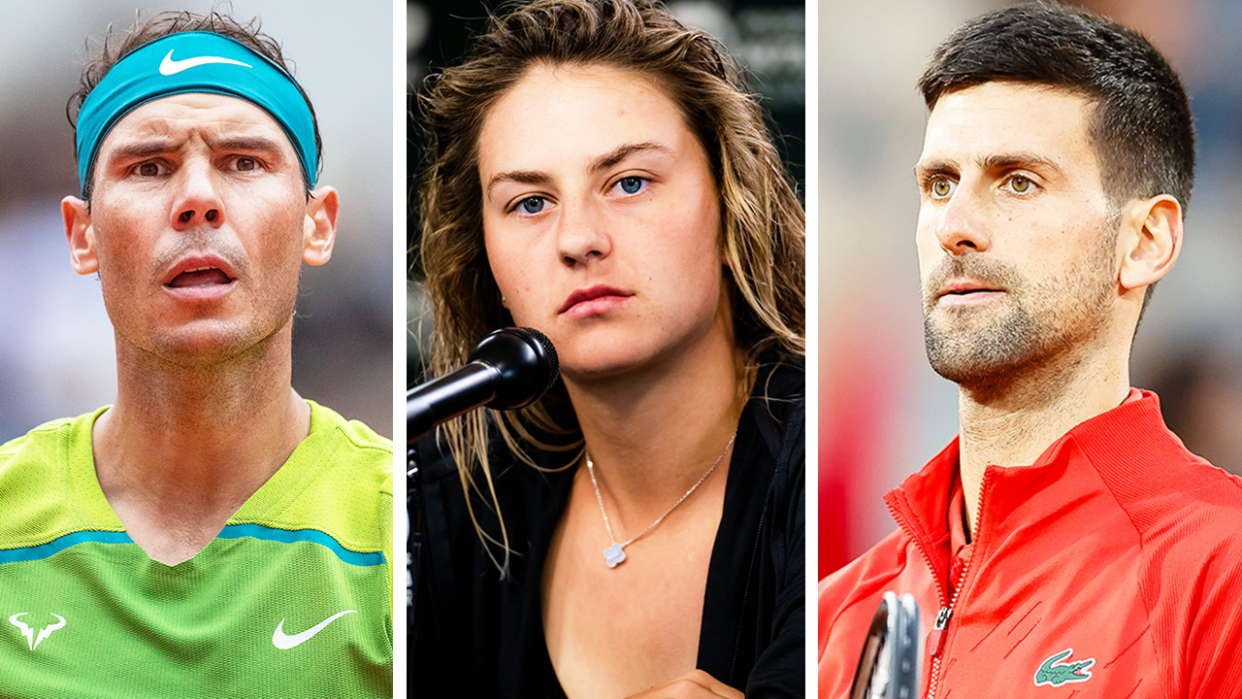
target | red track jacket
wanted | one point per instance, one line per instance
(1112, 567)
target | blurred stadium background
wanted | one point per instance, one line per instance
(57, 352)
(882, 411)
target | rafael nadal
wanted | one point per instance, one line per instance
(211, 533)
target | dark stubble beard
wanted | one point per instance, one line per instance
(1039, 322)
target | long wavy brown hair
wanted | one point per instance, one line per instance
(763, 222)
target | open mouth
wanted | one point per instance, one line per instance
(206, 276)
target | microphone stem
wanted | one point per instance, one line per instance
(453, 394)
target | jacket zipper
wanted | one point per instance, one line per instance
(940, 631)
(941, 588)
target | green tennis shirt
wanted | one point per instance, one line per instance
(293, 598)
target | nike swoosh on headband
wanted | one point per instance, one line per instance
(151, 72)
(285, 641)
(170, 67)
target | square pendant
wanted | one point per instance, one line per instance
(614, 555)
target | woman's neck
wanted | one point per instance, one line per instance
(652, 436)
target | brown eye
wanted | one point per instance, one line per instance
(245, 164)
(1020, 184)
(148, 169)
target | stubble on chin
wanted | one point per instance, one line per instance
(969, 345)
(1032, 325)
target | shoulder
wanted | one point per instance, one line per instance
(1170, 494)
(49, 438)
(1166, 493)
(339, 481)
(353, 434)
(770, 445)
(359, 457)
(849, 597)
(780, 381)
(30, 456)
(778, 406)
(46, 480)
(866, 578)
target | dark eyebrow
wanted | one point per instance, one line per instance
(148, 148)
(140, 150)
(622, 152)
(601, 163)
(1000, 161)
(260, 144)
(520, 176)
(1007, 161)
(934, 167)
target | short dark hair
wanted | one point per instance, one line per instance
(1141, 126)
(164, 24)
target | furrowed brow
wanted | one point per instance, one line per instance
(519, 176)
(252, 144)
(139, 150)
(1009, 161)
(622, 152)
(933, 167)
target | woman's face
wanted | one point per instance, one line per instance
(601, 220)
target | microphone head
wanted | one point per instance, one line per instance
(527, 364)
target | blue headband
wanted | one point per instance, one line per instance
(195, 62)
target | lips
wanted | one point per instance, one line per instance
(593, 299)
(965, 288)
(199, 271)
(200, 277)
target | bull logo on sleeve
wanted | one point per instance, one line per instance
(32, 640)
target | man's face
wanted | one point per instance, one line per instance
(602, 220)
(198, 225)
(1017, 241)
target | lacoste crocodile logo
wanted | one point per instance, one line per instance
(1054, 672)
(29, 633)
(285, 641)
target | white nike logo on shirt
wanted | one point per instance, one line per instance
(170, 67)
(285, 642)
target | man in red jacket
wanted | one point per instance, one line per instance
(1066, 541)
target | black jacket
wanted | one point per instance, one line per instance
(478, 636)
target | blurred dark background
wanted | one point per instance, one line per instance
(768, 38)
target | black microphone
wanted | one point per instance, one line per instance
(511, 368)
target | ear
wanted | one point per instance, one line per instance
(320, 232)
(81, 235)
(1150, 240)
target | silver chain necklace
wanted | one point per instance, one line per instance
(615, 554)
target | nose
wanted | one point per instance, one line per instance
(197, 202)
(582, 235)
(962, 223)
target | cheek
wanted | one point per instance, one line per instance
(510, 266)
(928, 248)
(701, 251)
(117, 253)
(285, 220)
(497, 257)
